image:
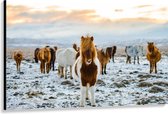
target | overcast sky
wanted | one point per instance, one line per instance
(73, 18)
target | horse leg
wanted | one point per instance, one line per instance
(17, 67)
(134, 59)
(102, 70)
(138, 59)
(150, 67)
(130, 59)
(105, 69)
(53, 65)
(87, 96)
(155, 68)
(41, 68)
(71, 72)
(83, 96)
(66, 72)
(113, 59)
(60, 71)
(92, 91)
(127, 60)
(48, 67)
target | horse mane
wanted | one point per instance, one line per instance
(87, 43)
(151, 45)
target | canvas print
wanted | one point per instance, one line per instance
(70, 54)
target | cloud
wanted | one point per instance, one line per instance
(143, 6)
(53, 22)
(118, 10)
(23, 14)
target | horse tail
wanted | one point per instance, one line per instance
(42, 55)
(75, 73)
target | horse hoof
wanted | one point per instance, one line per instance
(81, 105)
(94, 105)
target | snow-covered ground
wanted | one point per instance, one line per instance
(124, 85)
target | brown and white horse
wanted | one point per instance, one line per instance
(86, 69)
(153, 56)
(44, 55)
(18, 57)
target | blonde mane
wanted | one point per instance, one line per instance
(87, 43)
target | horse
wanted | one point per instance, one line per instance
(86, 69)
(65, 58)
(53, 56)
(113, 51)
(35, 54)
(133, 51)
(44, 56)
(104, 56)
(153, 56)
(18, 57)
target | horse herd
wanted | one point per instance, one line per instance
(86, 62)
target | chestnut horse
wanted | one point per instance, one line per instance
(18, 57)
(35, 54)
(104, 56)
(153, 56)
(44, 55)
(86, 69)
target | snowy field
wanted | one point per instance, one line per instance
(124, 85)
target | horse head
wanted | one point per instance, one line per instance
(88, 50)
(150, 47)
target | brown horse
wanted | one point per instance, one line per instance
(18, 57)
(153, 56)
(35, 54)
(44, 55)
(87, 68)
(104, 56)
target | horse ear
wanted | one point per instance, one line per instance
(92, 38)
(82, 38)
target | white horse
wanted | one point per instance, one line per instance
(134, 51)
(65, 58)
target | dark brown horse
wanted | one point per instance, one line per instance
(35, 54)
(112, 52)
(87, 68)
(153, 56)
(44, 55)
(18, 57)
